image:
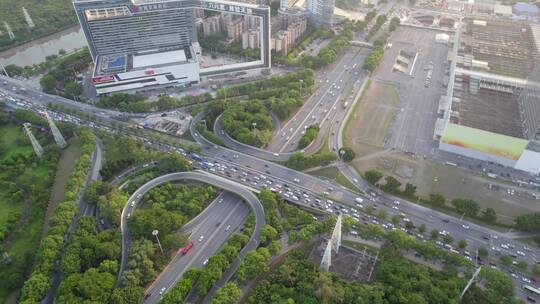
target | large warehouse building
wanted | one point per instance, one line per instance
(492, 109)
(142, 44)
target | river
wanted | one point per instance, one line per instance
(35, 51)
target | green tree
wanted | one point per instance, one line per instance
(373, 176)
(483, 252)
(506, 260)
(395, 219)
(437, 200)
(448, 239)
(536, 270)
(382, 214)
(47, 83)
(410, 190)
(522, 265)
(72, 89)
(391, 185)
(489, 215)
(409, 225)
(422, 228)
(347, 154)
(462, 244)
(466, 206)
(228, 294)
(434, 234)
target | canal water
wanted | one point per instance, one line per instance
(34, 52)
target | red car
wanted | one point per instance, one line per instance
(186, 249)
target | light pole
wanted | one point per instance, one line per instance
(155, 233)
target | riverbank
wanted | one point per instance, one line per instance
(35, 51)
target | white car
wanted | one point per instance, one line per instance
(296, 180)
(201, 238)
(205, 261)
(521, 253)
(162, 290)
(396, 202)
(465, 226)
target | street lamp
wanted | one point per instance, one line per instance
(254, 124)
(155, 233)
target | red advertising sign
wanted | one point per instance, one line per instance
(102, 79)
(149, 72)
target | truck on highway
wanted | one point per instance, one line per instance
(345, 104)
(186, 249)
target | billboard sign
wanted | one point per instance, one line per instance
(102, 79)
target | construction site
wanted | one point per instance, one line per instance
(493, 111)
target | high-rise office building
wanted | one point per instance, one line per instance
(140, 44)
(321, 11)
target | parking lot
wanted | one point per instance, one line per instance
(419, 86)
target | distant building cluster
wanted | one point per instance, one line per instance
(517, 11)
(286, 30)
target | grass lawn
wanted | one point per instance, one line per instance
(333, 174)
(372, 116)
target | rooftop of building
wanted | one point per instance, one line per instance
(496, 58)
(500, 47)
(110, 64)
(488, 110)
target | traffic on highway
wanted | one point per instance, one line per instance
(300, 189)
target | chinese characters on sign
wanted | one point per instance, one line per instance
(227, 8)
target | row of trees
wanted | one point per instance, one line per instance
(463, 206)
(36, 287)
(249, 123)
(299, 161)
(309, 136)
(374, 59)
(360, 25)
(330, 52)
(381, 19)
(302, 78)
(139, 103)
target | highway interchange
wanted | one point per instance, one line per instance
(212, 236)
(245, 169)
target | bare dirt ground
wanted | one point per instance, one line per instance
(366, 133)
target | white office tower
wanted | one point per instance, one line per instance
(321, 11)
(148, 44)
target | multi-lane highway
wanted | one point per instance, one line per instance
(215, 224)
(307, 190)
(177, 267)
(335, 90)
(299, 184)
